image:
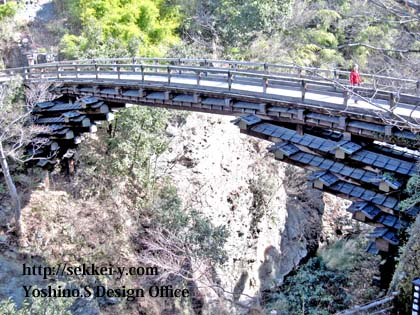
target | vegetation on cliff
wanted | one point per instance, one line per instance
(409, 263)
(332, 281)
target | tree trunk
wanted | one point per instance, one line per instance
(12, 188)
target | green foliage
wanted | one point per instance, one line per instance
(323, 38)
(123, 158)
(407, 270)
(139, 140)
(326, 18)
(38, 306)
(313, 290)
(413, 190)
(8, 10)
(112, 28)
(191, 227)
(343, 255)
(329, 282)
(232, 23)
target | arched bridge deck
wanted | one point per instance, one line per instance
(308, 113)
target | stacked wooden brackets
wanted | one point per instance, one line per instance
(62, 122)
(370, 174)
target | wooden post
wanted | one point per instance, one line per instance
(266, 68)
(392, 100)
(142, 73)
(265, 85)
(346, 97)
(304, 88)
(198, 77)
(229, 80)
(169, 74)
(58, 72)
(206, 65)
(335, 79)
(418, 87)
(118, 72)
(96, 71)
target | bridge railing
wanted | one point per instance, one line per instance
(392, 84)
(258, 81)
(382, 306)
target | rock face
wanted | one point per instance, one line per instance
(273, 220)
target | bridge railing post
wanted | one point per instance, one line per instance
(96, 71)
(198, 77)
(265, 84)
(418, 87)
(119, 72)
(300, 72)
(169, 74)
(179, 64)
(133, 68)
(142, 72)
(77, 72)
(346, 97)
(229, 80)
(57, 68)
(336, 79)
(206, 65)
(304, 87)
(266, 68)
(392, 100)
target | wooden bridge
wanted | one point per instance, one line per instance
(364, 151)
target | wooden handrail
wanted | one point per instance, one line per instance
(372, 305)
(229, 63)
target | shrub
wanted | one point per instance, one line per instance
(313, 290)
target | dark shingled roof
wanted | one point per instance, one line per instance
(286, 148)
(328, 165)
(72, 114)
(372, 249)
(395, 150)
(250, 120)
(328, 146)
(368, 209)
(391, 221)
(50, 120)
(365, 195)
(326, 178)
(386, 234)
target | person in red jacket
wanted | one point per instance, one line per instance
(355, 79)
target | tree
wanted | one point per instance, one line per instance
(17, 133)
(110, 28)
(227, 26)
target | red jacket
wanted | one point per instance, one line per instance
(355, 78)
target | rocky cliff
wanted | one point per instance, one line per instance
(274, 220)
